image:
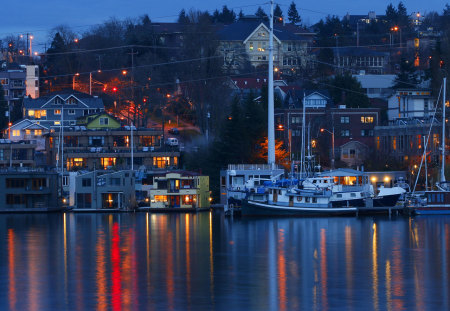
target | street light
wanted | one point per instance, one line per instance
(332, 144)
(73, 80)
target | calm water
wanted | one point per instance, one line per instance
(205, 262)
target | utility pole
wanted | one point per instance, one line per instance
(443, 130)
(132, 81)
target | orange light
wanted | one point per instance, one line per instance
(280, 126)
(76, 40)
(168, 95)
(322, 130)
(124, 72)
(77, 74)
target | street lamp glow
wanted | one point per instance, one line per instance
(124, 72)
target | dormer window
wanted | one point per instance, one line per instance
(58, 101)
(72, 101)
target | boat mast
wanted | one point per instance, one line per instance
(271, 123)
(443, 131)
(302, 155)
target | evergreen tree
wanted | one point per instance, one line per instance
(183, 18)
(407, 77)
(241, 15)
(293, 15)
(346, 90)
(391, 15)
(260, 13)
(278, 15)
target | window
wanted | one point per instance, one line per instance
(86, 182)
(107, 162)
(58, 101)
(4, 81)
(6, 92)
(38, 132)
(251, 46)
(104, 121)
(57, 111)
(65, 180)
(366, 119)
(160, 198)
(74, 162)
(161, 162)
(16, 133)
(71, 111)
(345, 119)
(295, 120)
(345, 133)
(31, 113)
(28, 132)
(43, 113)
(15, 183)
(15, 199)
(114, 181)
(57, 123)
(96, 141)
(377, 142)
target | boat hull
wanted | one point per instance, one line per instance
(348, 203)
(252, 208)
(432, 210)
(386, 201)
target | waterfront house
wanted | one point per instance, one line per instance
(180, 190)
(17, 154)
(99, 121)
(111, 148)
(411, 103)
(105, 190)
(27, 131)
(29, 190)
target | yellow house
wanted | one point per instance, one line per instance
(180, 190)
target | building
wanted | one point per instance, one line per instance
(377, 86)
(108, 148)
(411, 103)
(63, 106)
(248, 40)
(99, 121)
(180, 190)
(29, 190)
(105, 190)
(12, 79)
(17, 154)
(32, 81)
(27, 131)
(404, 140)
(361, 60)
(351, 130)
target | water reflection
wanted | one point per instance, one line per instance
(206, 261)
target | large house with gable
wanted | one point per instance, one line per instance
(248, 39)
(65, 106)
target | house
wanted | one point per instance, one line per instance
(29, 190)
(295, 97)
(99, 121)
(64, 106)
(411, 103)
(180, 190)
(17, 154)
(248, 40)
(27, 130)
(105, 190)
(106, 148)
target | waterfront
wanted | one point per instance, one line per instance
(205, 261)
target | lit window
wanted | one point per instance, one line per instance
(160, 198)
(366, 119)
(38, 132)
(57, 111)
(43, 113)
(251, 46)
(57, 123)
(31, 113)
(16, 133)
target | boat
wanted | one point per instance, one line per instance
(293, 201)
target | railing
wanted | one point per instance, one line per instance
(249, 167)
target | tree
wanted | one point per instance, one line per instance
(346, 90)
(182, 18)
(407, 77)
(225, 17)
(293, 15)
(278, 15)
(260, 13)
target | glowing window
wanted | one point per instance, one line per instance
(16, 133)
(31, 113)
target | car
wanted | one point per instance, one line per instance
(174, 131)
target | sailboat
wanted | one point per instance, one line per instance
(438, 201)
(286, 197)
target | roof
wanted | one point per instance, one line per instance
(91, 102)
(341, 172)
(242, 29)
(376, 81)
(250, 82)
(27, 124)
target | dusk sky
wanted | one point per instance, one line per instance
(38, 17)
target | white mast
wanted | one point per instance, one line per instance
(132, 152)
(443, 131)
(62, 139)
(302, 156)
(271, 123)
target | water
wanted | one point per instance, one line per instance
(208, 262)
